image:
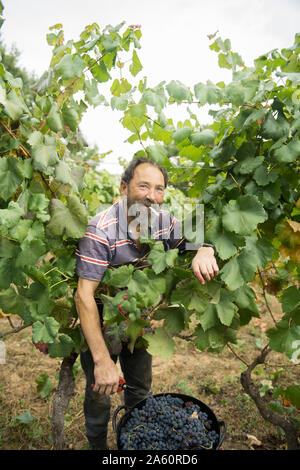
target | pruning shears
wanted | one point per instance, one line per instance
(122, 385)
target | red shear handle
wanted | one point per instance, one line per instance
(122, 385)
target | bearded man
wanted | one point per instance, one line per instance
(113, 239)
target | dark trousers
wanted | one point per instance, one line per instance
(137, 372)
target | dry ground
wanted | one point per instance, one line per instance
(212, 378)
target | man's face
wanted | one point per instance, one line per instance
(144, 190)
(146, 187)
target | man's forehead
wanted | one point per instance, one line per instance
(147, 172)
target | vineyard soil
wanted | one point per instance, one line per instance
(212, 378)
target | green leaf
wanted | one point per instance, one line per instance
(25, 418)
(109, 43)
(288, 153)
(136, 66)
(119, 87)
(222, 240)
(155, 98)
(13, 104)
(10, 217)
(290, 299)
(54, 118)
(241, 269)
(274, 128)
(41, 304)
(248, 165)
(207, 93)
(182, 133)
(10, 273)
(134, 328)
(161, 259)
(119, 277)
(243, 215)
(178, 91)
(262, 176)
(11, 302)
(205, 137)
(70, 219)
(100, 73)
(292, 393)
(9, 178)
(192, 295)
(175, 318)
(8, 249)
(244, 297)
(70, 66)
(157, 153)
(119, 102)
(39, 203)
(285, 340)
(201, 340)
(225, 308)
(45, 332)
(146, 292)
(32, 252)
(44, 385)
(70, 117)
(209, 318)
(61, 348)
(63, 173)
(160, 343)
(44, 156)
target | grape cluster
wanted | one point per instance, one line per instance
(168, 423)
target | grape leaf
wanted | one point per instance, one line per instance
(119, 277)
(161, 259)
(61, 348)
(45, 332)
(288, 153)
(160, 344)
(178, 91)
(285, 340)
(70, 66)
(205, 137)
(70, 219)
(44, 156)
(9, 178)
(136, 66)
(175, 317)
(44, 385)
(243, 215)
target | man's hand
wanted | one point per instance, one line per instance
(106, 377)
(204, 264)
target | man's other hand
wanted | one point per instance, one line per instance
(204, 264)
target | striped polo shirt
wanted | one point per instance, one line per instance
(108, 240)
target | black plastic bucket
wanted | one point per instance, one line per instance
(218, 426)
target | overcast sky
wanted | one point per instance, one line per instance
(174, 42)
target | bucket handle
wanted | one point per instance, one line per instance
(114, 418)
(222, 425)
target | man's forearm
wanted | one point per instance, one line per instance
(90, 324)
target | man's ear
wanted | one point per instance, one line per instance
(123, 188)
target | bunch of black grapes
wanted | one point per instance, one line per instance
(168, 423)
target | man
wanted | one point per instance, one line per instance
(112, 239)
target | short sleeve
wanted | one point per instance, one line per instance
(93, 254)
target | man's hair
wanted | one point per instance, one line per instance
(129, 171)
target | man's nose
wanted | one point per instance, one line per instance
(151, 194)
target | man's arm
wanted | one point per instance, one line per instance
(204, 264)
(105, 371)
